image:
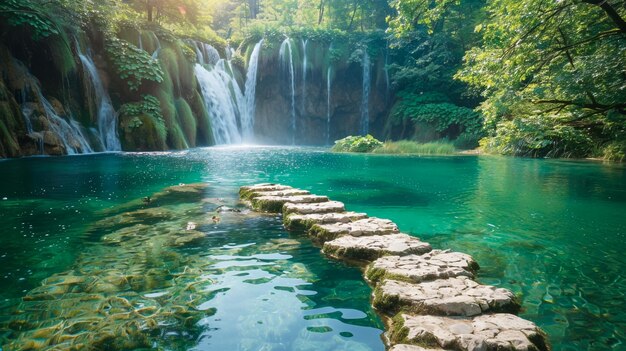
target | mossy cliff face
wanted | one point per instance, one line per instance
(48, 102)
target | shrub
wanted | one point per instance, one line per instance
(357, 144)
(133, 65)
(411, 147)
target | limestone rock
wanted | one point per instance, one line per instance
(246, 191)
(403, 347)
(495, 332)
(304, 222)
(310, 208)
(362, 227)
(275, 204)
(437, 264)
(459, 296)
(280, 193)
(372, 247)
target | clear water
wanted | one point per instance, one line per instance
(552, 231)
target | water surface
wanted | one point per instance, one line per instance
(552, 231)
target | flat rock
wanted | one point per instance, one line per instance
(501, 332)
(304, 222)
(362, 227)
(246, 191)
(311, 208)
(372, 247)
(404, 347)
(279, 193)
(275, 204)
(459, 296)
(436, 264)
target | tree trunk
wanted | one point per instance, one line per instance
(611, 12)
(149, 8)
(320, 17)
(356, 3)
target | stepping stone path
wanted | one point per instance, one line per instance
(458, 296)
(313, 208)
(437, 304)
(306, 221)
(369, 248)
(436, 264)
(362, 227)
(501, 332)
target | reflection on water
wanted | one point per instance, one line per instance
(551, 231)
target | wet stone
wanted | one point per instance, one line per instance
(372, 247)
(404, 347)
(362, 227)
(275, 204)
(304, 222)
(436, 264)
(502, 332)
(246, 191)
(280, 193)
(311, 208)
(458, 296)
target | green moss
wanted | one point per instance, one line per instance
(398, 333)
(187, 121)
(386, 304)
(357, 144)
(321, 235)
(142, 126)
(264, 205)
(203, 122)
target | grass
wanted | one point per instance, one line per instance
(411, 147)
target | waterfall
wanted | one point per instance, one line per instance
(388, 86)
(223, 100)
(305, 42)
(250, 92)
(328, 87)
(70, 133)
(286, 45)
(156, 52)
(107, 117)
(140, 41)
(365, 113)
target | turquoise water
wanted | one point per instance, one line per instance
(552, 231)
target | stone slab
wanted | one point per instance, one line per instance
(304, 222)
(404, 347)
(459, 296)
(436, 264)
(311, 208)
(369, 248)
(274, 204)
(501, 332)
(278, 193)
(246, 191)
(362, 227)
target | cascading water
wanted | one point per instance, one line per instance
(247, 124)
(284, 47)
(156, 52)
(107, 117)
(222, 97)
(387, 81)
(328, 88)
(305, 42)
(365, 113)
(140, 42)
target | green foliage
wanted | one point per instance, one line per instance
(411, 147)
(132, 64)
(31, 15)
(537, 137)
(357, 144)
(149, 105)
(614, 151)
(434, 108)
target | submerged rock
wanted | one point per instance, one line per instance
(362, 227)
(458, 296)
(275, 204)
(311, 208)
(369, 248)
(501, 332)
(304, 222)
(437, 264)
